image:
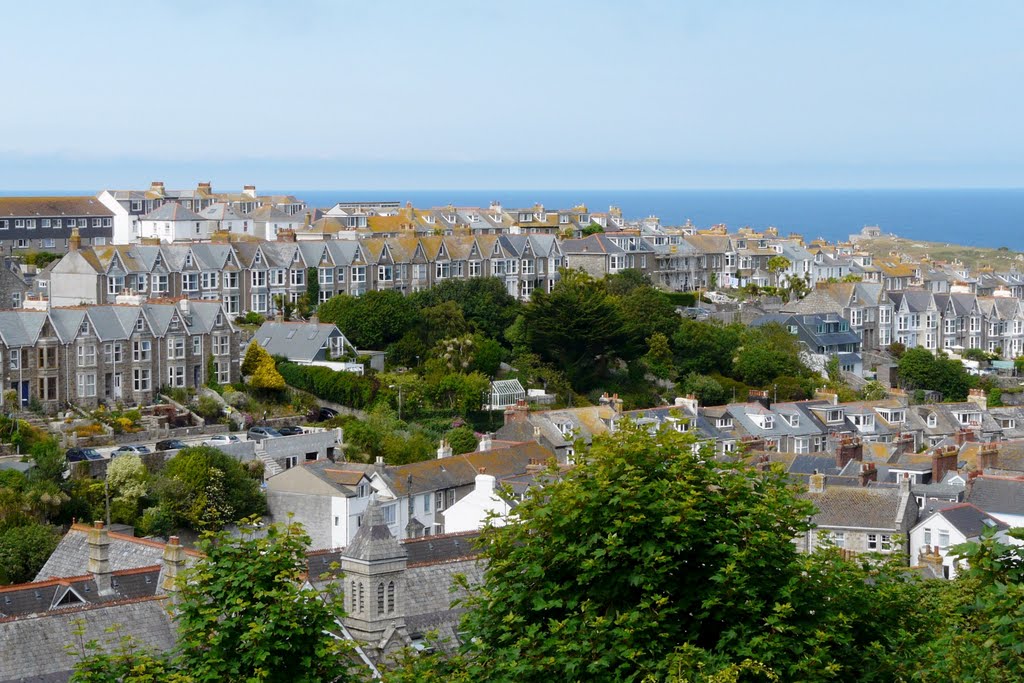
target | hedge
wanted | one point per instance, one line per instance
(687, 299)
(345, 388)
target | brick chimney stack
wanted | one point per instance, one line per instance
(99, 558)
(174, 563)
(988, 456)
(943, 460)
(517, 413)
(848, 448)
(75, 240)
(285, 235)
(816, 483)
(905, 443)
(978, 398)
(868, 473)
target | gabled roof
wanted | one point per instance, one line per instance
(172, 211)
(969, 520)
(21, 328)
(997, 495)
(855, 507)
(295, 340)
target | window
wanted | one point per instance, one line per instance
(86, 384)
(259, 303)
(231, 280)
(113, 352)
(175, 347)
(297, 276)
(190, 282)
(927, 536)
(832, 416)
(210, 280)
(231, 305)
(380, 598)
(426, 502)
(389, 514)
(86, 355)
(277, 277)
(46, 357)
(384, 273)
(141, 350)
(141, 379)
(933, 420)
(723, 423)
(159, 284)
(14, 362)
(136, 205)
(115, 284)
(872, 541)
(358, 273)
(30, 224)
(223, 369)
(3, 225)
(45, 223)
(943, 538)
(326, 276)
(221, 344)
(363, 490)
(197, 345)
(259, 278)
(444, 499)
(176, 375)
(82, 222)
(442, 270)
(391, 597)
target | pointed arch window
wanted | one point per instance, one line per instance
(361, 605)
(353, 599)
(391, 597)
(380, 598)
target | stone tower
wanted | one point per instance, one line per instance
(374, 566)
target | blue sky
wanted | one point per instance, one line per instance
(320, 94)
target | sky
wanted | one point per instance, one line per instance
(324, 94)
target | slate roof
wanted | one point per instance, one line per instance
(855, 507)
(374, 541)
(172, 211)
(970, 520)
(71, 557)
(295, 340)
(31, 207)
(34, 647)
(997, 495)
(461, 470)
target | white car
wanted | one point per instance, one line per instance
(221, 440)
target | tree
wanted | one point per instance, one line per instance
(312, 287)
(24, 550)
(645, 311)
(576, 326)
(592, 229)
(373, 320)
(778, 265)
(705, 347)
(919, 369)
(128, 481)
(485, 303)
(707, 390)
(767, 352)
(204, 488)
(462, 440)
(644, 547)
(254, 355)
(266, 377)
(658, 359)
(625, 281)
(243, 615)
(873, 391)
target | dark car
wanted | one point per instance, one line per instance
(260, 433)
(170, 445)
(81, 454)
(290, 430)
(323, 414)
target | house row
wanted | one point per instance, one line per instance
(251, 275)
(950, 322)
(34, 224)
(123, 352)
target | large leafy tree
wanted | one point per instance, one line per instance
(243, 615)
(705, 347)
(204, 488)
(767, 352)
(919, 369)
(24, 550)
(485, 303)
(576, 326)
(645, 312)
(373, 320)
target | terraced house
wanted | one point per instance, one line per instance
(121, 353)
(250, 275)
(46, 223)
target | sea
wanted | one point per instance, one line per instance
(973, 217)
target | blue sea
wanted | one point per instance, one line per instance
(974, 217)
(985, 218)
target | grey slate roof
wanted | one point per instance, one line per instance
(994, 494)
(172, 211)
(295, 340)
(969, 520)
(374, 540)
(71, 558)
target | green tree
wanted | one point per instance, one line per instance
(245, 614)
(128, 481)
(778, 265)
(204, 488)
(576, 326)
(707, 390)
(705, 347)
(312, 287)
(919, 369)
(626, 281)
(373, 320)
(658, 359)
(266, 377)
(254, 355)
(462, 440)
(767, 352)
(485, 303)
(24, 550)
(642, 548)
(645, 311)
(873, 391)
(592, 229)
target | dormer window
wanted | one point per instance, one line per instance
(363, 490)
(140, 324)
(833, 416)
(723, 423)
(258, 258)
(188, 259)
(84, 328)
(765, 421)
(933, 420)
(792, 420)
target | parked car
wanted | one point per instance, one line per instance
(290, 430)
(81, 454)
(325, 414)
(221, 440)
(170, 445)
(260, 433)
(130, 449)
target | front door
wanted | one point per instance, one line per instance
(23, 391)
(117, 386)
(195, 375)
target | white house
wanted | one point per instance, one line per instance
(223, 216)
(934, 536)
(480, 507)
(268, 220)
(1001, 497)
(172, 222)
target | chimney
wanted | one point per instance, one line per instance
(75, 240)
(962, 436)
(756, 396)
(517, 413)
(249, 191)
(485, 443)
(616, 403)
(978, 398)
(444, 450)
(868, 472)
(848, 448)
(943, 460)
(99, 558)
(174, 563)
(484, 483)
(285, 235)
(930, 556)
(988, 456)
(307, 220)
(205, 188)
(689, 402)
(157, 187)
(904, 443)
(816, 483)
